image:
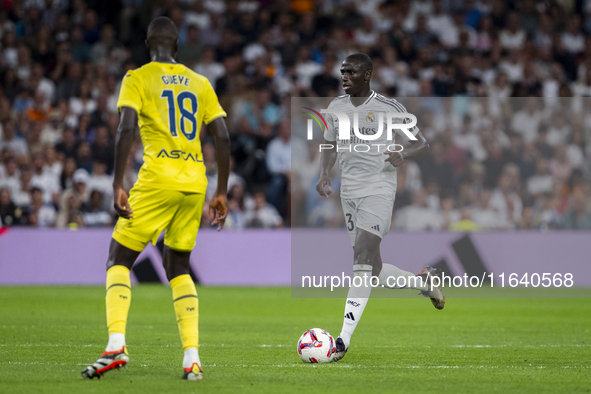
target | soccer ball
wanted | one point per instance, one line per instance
(316, 346)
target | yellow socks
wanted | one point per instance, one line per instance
(186, 306)
(118, 298)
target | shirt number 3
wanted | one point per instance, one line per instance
(187, 104)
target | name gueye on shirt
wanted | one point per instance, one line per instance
(172, 102)
(365, 173)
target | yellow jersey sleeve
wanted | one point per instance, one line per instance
(130, 94)
(212, 107)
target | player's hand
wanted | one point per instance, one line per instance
(324, 181)
(121, 204)
(218, 210)
(394, 158)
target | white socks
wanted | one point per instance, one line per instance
(191, 357)
(393, 277)
(356, 302)
(116, 342)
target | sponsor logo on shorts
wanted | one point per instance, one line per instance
(376, 227)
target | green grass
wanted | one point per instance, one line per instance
(248, 338)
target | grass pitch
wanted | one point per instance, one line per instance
(248, 344)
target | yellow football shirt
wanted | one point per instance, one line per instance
(172, 102)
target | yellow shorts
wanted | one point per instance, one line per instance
(155, 210)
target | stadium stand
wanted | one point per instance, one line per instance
(61, 63)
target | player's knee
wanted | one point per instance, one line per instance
(176, 263)
(120, 255)
(175, 269)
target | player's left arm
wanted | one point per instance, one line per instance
(218, 207)
(417, 149)
(125, 136)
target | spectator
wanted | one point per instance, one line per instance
(102, 148)
(10, 214)
(190, 52)
(506, 203)
(101, 50)
(84, 156)
(573, 38)
(53, 130)
(72, 200)
(61, 70)
(482, 214)
(262, 214)
(69, 86)
(52, 166)
(40, 213)
(45, 180)
(512, 37)
(12, 142)
(93, 212)
(577, 217)
(325, 84)
(259, 117)
(22, 197)
(465, 223)
(436, 167)
(279, 165)
(83, 102)
(99, 180)
(9, 175)
(305, 67)
(417, 216)
(237, 203)
(80, 50)
(560, 166)
(209, 67)
(541, 182)
(67, 148)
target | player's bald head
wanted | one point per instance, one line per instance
(162, 30)
(363, 60)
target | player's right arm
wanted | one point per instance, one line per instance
(130, 104)
(328, 156)
(125, 136)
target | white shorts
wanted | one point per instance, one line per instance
(372, 214)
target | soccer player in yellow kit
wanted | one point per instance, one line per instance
(170, 102)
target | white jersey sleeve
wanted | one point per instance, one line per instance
(330, 134)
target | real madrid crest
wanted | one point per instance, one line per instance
(370, 118)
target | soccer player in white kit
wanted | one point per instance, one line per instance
(368, 188)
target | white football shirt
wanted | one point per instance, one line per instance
(365, 173)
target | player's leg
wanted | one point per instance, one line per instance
(118, 300)
(393, 277)
(372, 210)
(366, 245)
(151, 215)
(179, 241)
(118, 292)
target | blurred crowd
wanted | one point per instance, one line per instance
(495, 163)
(515, 165)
